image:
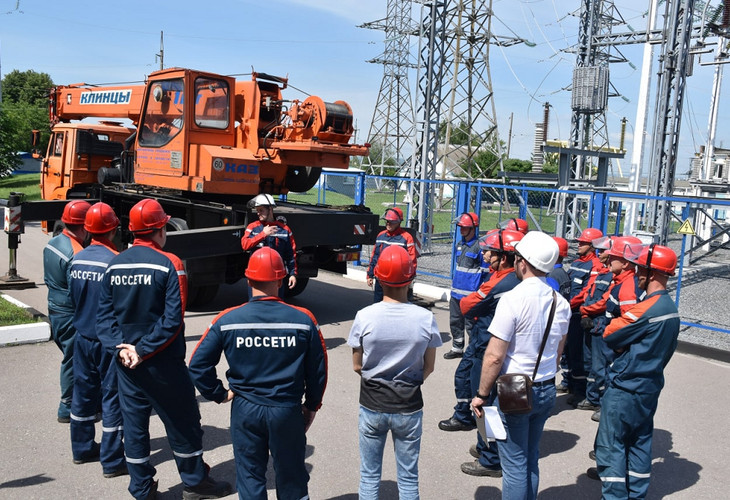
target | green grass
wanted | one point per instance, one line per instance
(29, 184)
(10, 314)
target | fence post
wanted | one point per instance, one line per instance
(597, 214)
(360, 188)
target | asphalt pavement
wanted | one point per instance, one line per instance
(690, 439)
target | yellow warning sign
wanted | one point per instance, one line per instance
(686, 228)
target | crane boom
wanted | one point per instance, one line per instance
(78, 101)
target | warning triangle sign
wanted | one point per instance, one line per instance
(686, 228)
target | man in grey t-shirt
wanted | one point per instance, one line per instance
(393, 349)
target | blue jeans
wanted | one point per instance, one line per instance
(520, 451)
(406, 429)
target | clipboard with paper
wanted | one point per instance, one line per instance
(490, 425)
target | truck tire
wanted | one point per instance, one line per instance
(302, 179)
(298, 288)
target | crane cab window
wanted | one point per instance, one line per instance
(163, 115)
(212, 103)
(58, 144)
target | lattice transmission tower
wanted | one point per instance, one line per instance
(391, 128)
(455, 88)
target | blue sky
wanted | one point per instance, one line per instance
(318, 45)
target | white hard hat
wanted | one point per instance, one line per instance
(264, 200)
(538, 249)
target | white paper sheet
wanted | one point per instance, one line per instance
(490, 425)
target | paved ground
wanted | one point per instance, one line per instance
(690, 440)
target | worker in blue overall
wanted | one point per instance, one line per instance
(498, 248)
(558, 278)
(581, 270)
(645, 339)
(95, 375)
(141, 321)
(470, 271)
(277, 373)
(272, 232)
(57, 257)
(393, 234)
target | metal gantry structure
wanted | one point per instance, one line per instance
(591, 89)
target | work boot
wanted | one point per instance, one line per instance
(209, 488)
(152, 495)
(91, 456)
(119, 471)
(473, 451)
(453, 354)
(587, 405)
(562, 387)
(452, 424)
(574, 399)
(476, 469)
(596, 417)
(592, 473)
(592, 455)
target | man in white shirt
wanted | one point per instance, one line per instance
(517, 331)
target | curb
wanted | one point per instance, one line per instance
(26, 333)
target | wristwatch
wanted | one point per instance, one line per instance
(481, 397)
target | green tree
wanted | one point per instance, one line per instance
(9, 158)
(25, 105)
(515, 165)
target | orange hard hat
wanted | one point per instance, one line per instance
(467, 219)
(653, 257)
(100, 219)
(515, 225)
(146, 216)
(394, 214)
(265, 264)
(619, 244)
(75, 212)
(589, 234)
(394, 267)
(562, 246)
(501, 240)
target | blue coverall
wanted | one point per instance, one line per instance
(481, 306)
(470, 271)
(142, 303)
(95, 373)
(276, 357)
(595, 353)
(57, 257)
(647, 337)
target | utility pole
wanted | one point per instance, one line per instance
(161, 54)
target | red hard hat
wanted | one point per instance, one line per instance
(562, 246)
(501, 240)
(394, 214)
(619, 244)
(394, 267)
(75, 212)
(147, 215)
(100, 219)
(468, 219)
(265, 264)
(515, 225)
(654, 257)
(589, 234)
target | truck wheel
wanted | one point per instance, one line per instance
(302, 179)
(298, 288)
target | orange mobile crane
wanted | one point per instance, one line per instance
(203, 145)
